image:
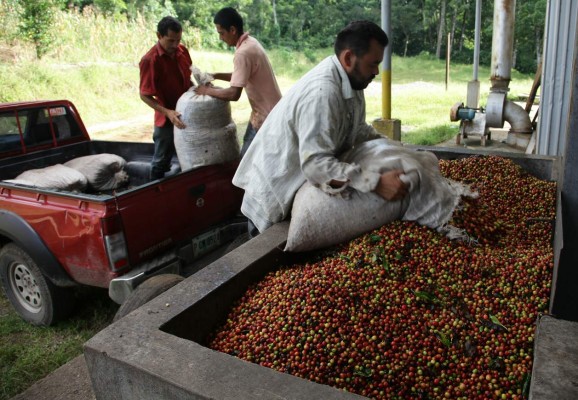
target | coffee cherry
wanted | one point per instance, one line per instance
(404, 312)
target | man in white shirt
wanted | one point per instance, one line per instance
(319, 118)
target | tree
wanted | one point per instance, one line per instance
(529, 35)
(111, 7)
(441, 29)
(417, 25)
(404, 27)
(10, 11)
(35, 23)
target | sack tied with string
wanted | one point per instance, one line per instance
(210, 135)
(320, 220)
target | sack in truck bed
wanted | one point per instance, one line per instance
(103, 171)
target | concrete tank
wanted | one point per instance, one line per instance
(158, 351)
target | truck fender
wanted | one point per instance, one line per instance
(13, 227)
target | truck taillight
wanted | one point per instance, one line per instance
(115, 243)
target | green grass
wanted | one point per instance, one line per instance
(105, 91)
(102, 79)
(28, 353)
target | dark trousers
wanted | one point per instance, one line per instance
(163, 137)
(252, 229)
(248, 138)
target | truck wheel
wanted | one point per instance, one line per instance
(147, 291)
(35, 298)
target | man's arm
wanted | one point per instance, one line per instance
(172, 115)
(232, 93)
(222, 76)
(318, 134)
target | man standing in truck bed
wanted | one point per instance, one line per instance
(165, 74)
(252, 71)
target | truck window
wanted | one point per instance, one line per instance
(9, 132)
(40, 132)
(65, 126)
(40, 126)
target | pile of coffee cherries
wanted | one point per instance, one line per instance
(405, 313)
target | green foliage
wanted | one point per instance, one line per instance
(306, 24)
(35, 24)
(28, 353)
(10, 11)
(111, 7)
(529, 23)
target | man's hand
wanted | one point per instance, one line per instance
(202, 89)
(390, 186)
(173, 116)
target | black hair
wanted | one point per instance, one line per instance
(357, 35)
(169, 23)
(228, 17)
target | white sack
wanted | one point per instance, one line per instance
(54, 177)
(103, 171)
(210, 136)
(319, 219)
(316, 221)
(433, 197)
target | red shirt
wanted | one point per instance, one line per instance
(165, 77)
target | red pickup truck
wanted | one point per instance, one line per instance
(52, 240)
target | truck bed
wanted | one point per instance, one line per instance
(156, 216)
(137, 155)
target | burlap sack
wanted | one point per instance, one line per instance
(319, 220)
(210, 136)
(56, 176)
(103, 171)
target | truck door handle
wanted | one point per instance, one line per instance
(197, 190)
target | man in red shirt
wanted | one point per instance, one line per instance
(165, 74)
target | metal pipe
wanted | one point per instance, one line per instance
(517, 117)
(477, 38)
(473, 96)
(386, 65)
(502, 44)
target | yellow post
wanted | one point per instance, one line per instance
(385, 125)
(386, 94)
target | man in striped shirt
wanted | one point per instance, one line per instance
(321, 116)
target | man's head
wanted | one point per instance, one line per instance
(359, 47)
(169, 33)
(229, 25)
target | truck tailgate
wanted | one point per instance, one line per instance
(170, 212)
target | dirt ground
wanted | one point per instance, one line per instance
(69, 382)
(137, 129)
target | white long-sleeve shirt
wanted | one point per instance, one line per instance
(318, 119)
